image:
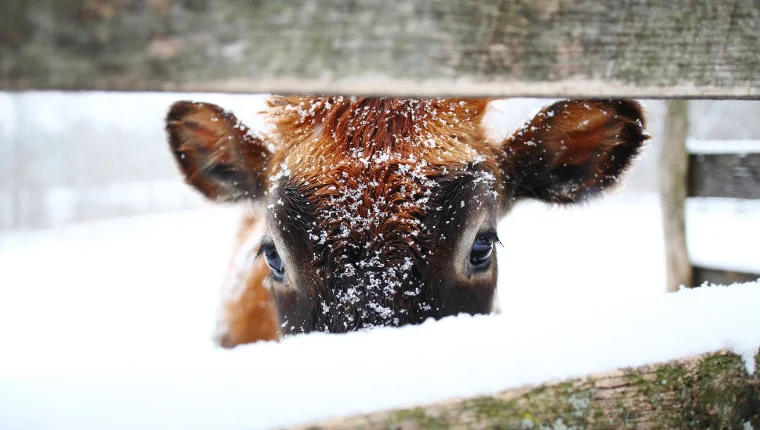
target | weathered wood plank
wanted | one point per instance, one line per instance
(724, 175)
(565, 48)
(673, 169)
(709, 391)
(722, 277)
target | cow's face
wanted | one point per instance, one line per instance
(384, 211)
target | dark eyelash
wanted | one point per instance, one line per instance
(265, 242)
(492, 236)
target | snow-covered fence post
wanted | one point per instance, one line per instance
(673, 171)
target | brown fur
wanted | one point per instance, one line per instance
(369, 198)
(248, 314)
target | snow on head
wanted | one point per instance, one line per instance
(374, 201)
(383, 211)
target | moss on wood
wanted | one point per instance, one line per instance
(709, 391)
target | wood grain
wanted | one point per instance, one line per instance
(673, 173)
(707, 391)
(553, 48)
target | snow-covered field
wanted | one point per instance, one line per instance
(108, 324)
(318, 376)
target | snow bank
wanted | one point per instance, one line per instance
(317, 376)
(724, 233)
(108, 324)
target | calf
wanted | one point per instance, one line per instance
(365, 212)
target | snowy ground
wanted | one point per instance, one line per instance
(108, 324)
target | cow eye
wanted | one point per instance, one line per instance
(272, 257)
(482, 248)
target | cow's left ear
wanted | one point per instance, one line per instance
(574, 149)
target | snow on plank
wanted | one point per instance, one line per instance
(723, 233)
(712, 146)
(317, 376)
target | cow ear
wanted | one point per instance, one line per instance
(219, 156)
(574, 149)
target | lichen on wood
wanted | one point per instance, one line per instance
(707, 391)
(572, 48)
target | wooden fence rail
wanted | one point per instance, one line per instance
(728, 174)
(552, 48)
(707, 391)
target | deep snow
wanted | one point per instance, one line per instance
(108, 324)
(318, 376)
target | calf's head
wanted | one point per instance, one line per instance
(383, 211)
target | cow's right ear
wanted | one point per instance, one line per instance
(219, 156)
